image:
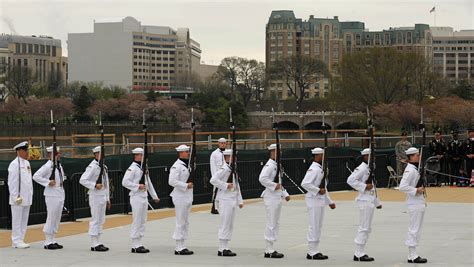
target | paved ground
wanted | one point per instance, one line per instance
(447, 239)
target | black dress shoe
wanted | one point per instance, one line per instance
(59, 246)
(317, 256)
(100, 248)
(51, 246)
(226, 253)
(363, 258)
(418, 260)
(274, 254)
(184, 252)
(140, 249)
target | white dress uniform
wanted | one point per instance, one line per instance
(19, 178)
(416, 208)
(54, 198)
(315, 204)
(182, 200)
(229, 200)
(272, 200)
(216, 161)
(97, 199)
(366, 201)
(138, 201)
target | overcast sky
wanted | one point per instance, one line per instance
(223, 28)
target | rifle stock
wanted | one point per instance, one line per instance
(371, 161)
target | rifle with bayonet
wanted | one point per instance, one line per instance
(192, 156)
(422, 182)
(371, 160)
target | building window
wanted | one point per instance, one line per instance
(18, 47)
(23, 48)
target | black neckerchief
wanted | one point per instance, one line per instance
(365, 161)
(186, 161)
(138, 162)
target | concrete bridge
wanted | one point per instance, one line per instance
(308, 120)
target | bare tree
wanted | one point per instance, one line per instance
(18, 81)
(299, 73)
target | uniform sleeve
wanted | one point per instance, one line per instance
(284, 193)
(151, 188)
(42, 175)
(213, 163)
(405, 187)
(106, 176)
(174, 181)
(265, 178)
(328, 198)
(13, 179)
(355, 180)
(218, 179)
(308, 181)
(127, 180)
(86, 178)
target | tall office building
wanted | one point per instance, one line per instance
(126, 53)
(453, 53)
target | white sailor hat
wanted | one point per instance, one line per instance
(96, 149)
(222, 140)
(137, 150)
(366, 151)
(182, 148)
(227, 152)
(411, 151)
(272, 147)
(49, 149)
(317, 151)
(22, 145)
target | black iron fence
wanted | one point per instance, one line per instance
(295, 164)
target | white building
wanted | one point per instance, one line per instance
(126, 53)
(453, 53)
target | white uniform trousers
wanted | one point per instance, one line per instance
(182, 209)
(316, 216)
(139, 214)
(366, 213)
(54, 207)
(227, 214)
(416, 214)
(20, 216)
(273, 210)
(98, 205)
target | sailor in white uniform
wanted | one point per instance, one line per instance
(99, 199)
(53, 195)
(216, 161)
(229, 197)
(182, 195)
(416, 203)
(138, 198)
(272, 197)
(20, 187)
(316, 198)
(367, 201)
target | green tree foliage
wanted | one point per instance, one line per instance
(384, 75)
(82, 102)
(214, 100)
